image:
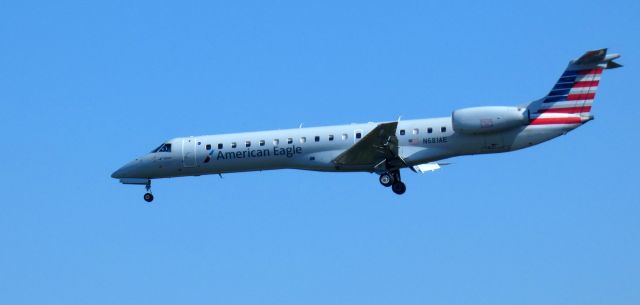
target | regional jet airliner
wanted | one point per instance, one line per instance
(385, 147)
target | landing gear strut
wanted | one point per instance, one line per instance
(392, 179)
(148, 197)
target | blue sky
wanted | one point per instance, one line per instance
(87, 86)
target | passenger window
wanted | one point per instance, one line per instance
(276, 142)
(344, 136)
(233, 145)
(219, 145)
(303, 139)
(317, 139)
(443, 129)
(247, 143)
(208, 147)
(330, 137)
(415, 131)
(429, 130)
(289, 140)
(402, 132)
(261, 142)
(358, 135)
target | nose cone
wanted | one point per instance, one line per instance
(118, 174)
(129, 170)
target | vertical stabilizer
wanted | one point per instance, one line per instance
(571, 98)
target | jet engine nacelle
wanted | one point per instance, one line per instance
(479, 120)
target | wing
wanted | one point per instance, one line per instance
(378, 146)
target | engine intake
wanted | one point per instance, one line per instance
(479, 120)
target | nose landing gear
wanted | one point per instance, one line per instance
(392, 179)
(148, 197)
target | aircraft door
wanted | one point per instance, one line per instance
(188, 152)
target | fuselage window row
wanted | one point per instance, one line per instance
(276, 142)
(416, 131)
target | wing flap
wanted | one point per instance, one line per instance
(428, 167)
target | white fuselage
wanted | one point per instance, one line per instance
(385, 147)
(315, 148)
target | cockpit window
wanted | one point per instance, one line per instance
(166, 147)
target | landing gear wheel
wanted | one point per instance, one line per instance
(399, 188)
(148, 197)
(386, 180)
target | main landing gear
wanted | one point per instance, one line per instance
(392, 179)
(148, 197)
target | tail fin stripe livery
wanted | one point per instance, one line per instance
(548, 121)
(573, 95)
(566, 104)
(560, 92)
(566, 110)
(552, 99)
(581, 84)
(581, 96)
(563, 86)
(582, 72)
(571, 98)
(588, 77)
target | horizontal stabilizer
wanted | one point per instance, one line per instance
(592, 57)
(612, 65)
(598, 58)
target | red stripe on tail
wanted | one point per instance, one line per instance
(581, 96)
(586, 84)
(590, 71)
(547, 121)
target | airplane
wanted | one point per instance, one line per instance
(383, 148)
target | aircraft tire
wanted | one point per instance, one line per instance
(148, 197)
(386, 180)
(399, 188)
